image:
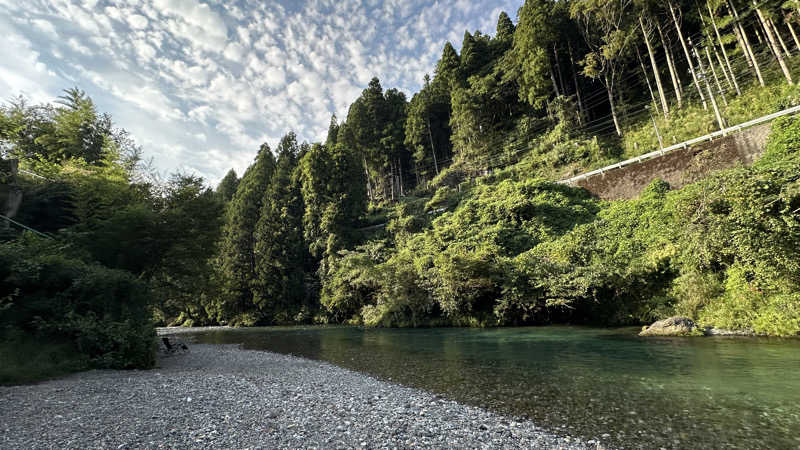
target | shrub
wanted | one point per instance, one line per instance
(103, 314)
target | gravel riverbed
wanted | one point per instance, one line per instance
(219, 396)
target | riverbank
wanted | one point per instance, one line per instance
(219, 396)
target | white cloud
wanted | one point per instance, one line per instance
(138, 21)
(46, 27)
(114, 13)
(200, 114)
(21, 71)
(234, 51)
(202, 83)
(78, 47)
(195, 22)
(144, 50)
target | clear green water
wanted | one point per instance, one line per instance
(649, 393)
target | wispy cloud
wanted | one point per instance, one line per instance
(202, 84)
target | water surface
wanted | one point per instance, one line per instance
(609, 383)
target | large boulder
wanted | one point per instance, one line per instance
(673, 326)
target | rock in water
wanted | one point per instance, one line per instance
(673, 326)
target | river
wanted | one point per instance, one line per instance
(699, 392)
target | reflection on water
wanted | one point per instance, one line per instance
(650, 393)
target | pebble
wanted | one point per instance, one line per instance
(220, 396)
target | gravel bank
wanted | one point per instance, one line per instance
(224, 397)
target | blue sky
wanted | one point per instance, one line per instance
(202, 83)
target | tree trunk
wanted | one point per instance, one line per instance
(739, 39)
(716, 78)
(724, 71)
(774, 45)
(747, 47)
(720, 121)
(400, 166)
(553, 79)
(610, 91)
(647, 79)
(717, 114)
(433, 149)
(724, 52)
(758, 37)
(676, 84)
(392, 179)
(581, 110)
(791, 30)
(558, 71)
(369, 183)
(686, 53)
(778, 35)
(664, 105)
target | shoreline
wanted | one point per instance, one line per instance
(221, 396)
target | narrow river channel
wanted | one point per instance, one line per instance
(608, 383)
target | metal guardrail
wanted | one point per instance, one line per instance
(25, 227)
(685, 144)
(35, 175)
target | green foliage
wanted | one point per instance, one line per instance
(237, 249)
(27, 359)
(279, 246)
(333, 193)
(71, 130)
(783, 143)
(721, 251)
(350, 283)
(453, 270)
(427, 128)
(557, 154)
(483, 240)
(184, 279)
(410, 216)
(103, 314)
(227, 186)
(693, 121)
(447, 68)
(375, 132)
(532, 40)
(505, 30)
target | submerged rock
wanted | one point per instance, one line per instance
(673, 326)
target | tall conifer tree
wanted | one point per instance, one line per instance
(279, 246)
(237, 250)
(227, 187)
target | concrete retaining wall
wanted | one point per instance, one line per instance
(680, 167)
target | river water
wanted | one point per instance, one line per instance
(699, 392)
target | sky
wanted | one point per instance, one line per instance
(202, 84)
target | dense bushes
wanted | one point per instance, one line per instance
(102, 315)
(455, 269)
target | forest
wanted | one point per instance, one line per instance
(442, 209)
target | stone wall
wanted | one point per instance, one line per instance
(680, 167)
